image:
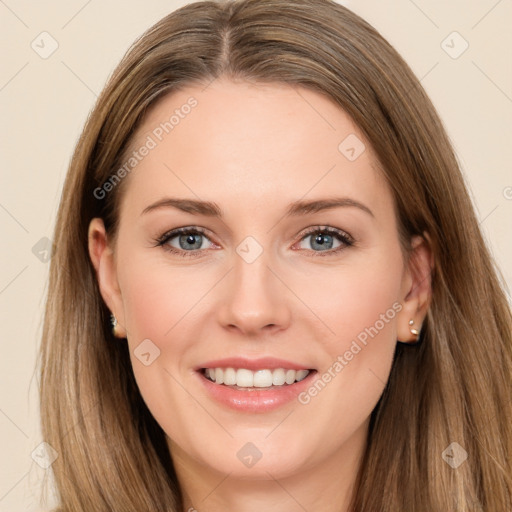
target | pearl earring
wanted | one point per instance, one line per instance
(416, 332)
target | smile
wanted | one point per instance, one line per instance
(254, 386)
(243, 378)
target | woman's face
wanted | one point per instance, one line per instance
(264, 277)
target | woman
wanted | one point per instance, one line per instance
(335, 336)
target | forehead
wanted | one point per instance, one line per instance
(260, 145)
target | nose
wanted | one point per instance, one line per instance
(256, 301)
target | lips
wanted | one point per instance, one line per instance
(262, 363)
(254, 385)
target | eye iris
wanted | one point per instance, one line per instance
(190, 239)
(320, 240)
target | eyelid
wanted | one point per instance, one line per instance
(171, 233)
(326, 229)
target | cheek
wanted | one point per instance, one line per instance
(357, 300)
(159, 306)
(157, 296)
(361, 304)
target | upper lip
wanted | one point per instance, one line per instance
(270, 363)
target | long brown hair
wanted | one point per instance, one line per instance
(455, 387)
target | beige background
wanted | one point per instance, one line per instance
(44, 103)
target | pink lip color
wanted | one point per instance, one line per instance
(255, 400)
(263, 363)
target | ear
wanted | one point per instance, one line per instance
(416, 288)
(103, 260)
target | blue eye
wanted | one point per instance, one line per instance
(324, 239)
(190, 241)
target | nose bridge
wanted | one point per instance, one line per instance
(255, 297)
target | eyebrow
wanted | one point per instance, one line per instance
(295, 209)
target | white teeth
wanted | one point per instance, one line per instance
(301, 374)
(290, 376)
(262, 379)
(219, 376)
(278, 377)
(244, 378)
(230, 377)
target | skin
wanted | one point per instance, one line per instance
(253, 150)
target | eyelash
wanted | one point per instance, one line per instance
(343, 237)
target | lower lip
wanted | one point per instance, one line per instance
(255, 400)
